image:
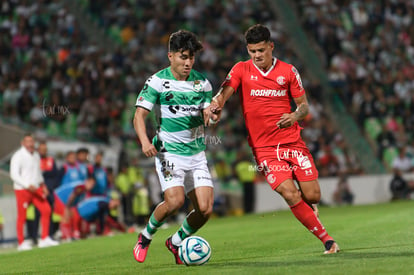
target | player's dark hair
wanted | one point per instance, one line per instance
(183, 40)
(82, 150)
(256, 34)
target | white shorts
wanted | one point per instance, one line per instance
(187, 171)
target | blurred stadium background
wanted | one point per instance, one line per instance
(71, 70)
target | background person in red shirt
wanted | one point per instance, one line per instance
(267, 87)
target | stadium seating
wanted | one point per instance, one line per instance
(86, 67)
(371, 43)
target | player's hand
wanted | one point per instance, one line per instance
(209, 117)
(32, 188)
(149, 150)
(215, 107)
(213, 113)
(286, 120)
(45, 190)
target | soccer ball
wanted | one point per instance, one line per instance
(194, 250)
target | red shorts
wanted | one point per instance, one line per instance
(287, 161)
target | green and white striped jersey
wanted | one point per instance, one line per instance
(181, 125)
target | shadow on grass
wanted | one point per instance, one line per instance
(374, 255)
(323, 259)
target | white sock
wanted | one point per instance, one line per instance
(176, 240)
(146, 233)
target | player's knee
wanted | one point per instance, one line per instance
(291, 196)
(205, 210)
(313, 196)
(174, 203)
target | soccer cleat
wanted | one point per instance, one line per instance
(141, 248)
(331, 247)
(24, 246)
(174, 250)
(46, 242)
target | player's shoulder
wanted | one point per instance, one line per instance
(243, 64)
(196, 75)
(283, 65)
(163, 73)
(287, 67)
(159, 77)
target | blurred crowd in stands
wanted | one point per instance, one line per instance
(55, 78)
(368, 49)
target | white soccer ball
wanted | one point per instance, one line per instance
(194, 250)
(212, 121)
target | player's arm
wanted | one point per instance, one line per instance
(218, 101)
(79, 190)
(302, 110)
(139, 125)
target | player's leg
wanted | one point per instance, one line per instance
(23, 198)
(43, 206)
(307, 175)
(311, 194)
(199, 189)
(173, 200)
(202, 199)
(302, 211)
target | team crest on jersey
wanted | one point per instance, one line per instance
(297, 77)
(197, 87)
(271, 178)
(281, 80)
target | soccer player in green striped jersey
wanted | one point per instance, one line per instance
(182, 95)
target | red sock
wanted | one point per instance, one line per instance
(305, 215)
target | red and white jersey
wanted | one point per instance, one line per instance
(265, 96)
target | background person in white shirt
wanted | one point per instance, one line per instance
(29, 188)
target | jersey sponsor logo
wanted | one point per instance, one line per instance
(175, 108)
(281, 80)
(264, 92)
(253, 77)
(190, 109)
(297, 77)
(197, 87)
(140, 99)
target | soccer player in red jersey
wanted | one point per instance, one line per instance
(266, 87)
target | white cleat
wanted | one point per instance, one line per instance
(24, 246)
(46, 242)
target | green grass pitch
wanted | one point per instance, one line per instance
(376, 239)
